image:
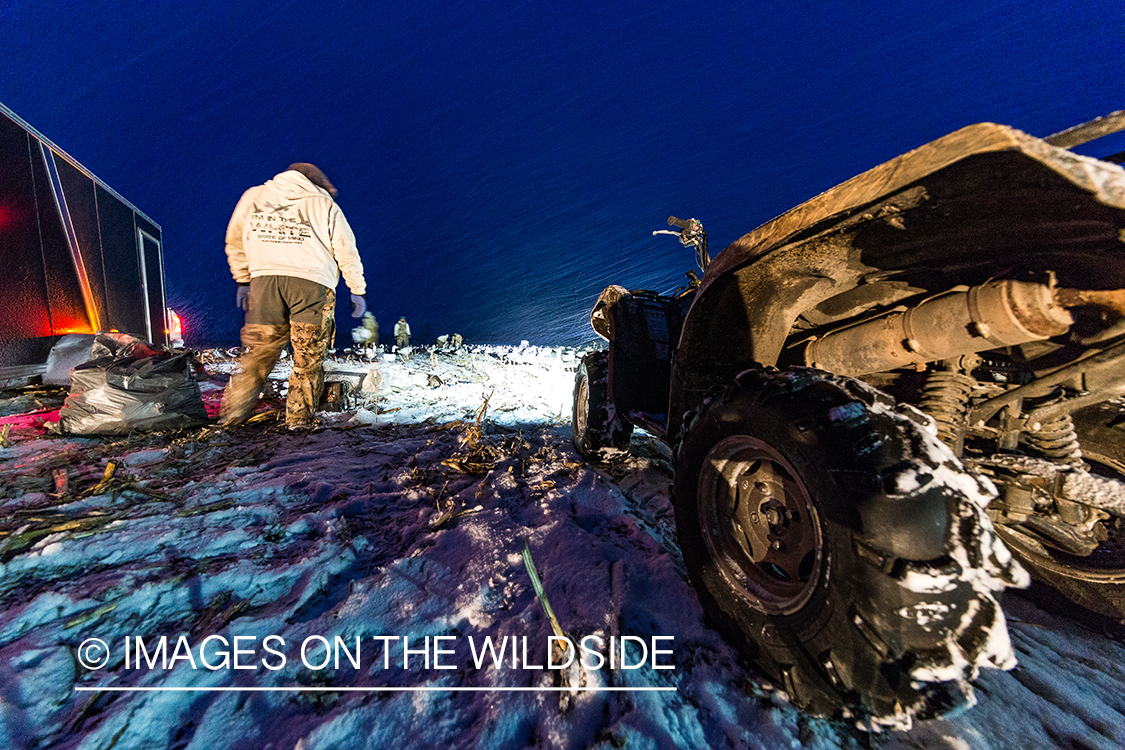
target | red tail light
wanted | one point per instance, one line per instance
(175, 329)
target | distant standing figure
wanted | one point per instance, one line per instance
(402, 333)
(287, 245)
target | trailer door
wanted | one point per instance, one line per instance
(152, 276)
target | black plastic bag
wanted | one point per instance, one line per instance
(113, 395)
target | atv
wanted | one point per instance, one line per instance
(877, 404)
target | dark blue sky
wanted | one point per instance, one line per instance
(502, 162)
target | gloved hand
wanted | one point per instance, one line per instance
(242, 298)
(359, 306)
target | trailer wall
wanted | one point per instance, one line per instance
(75, 257)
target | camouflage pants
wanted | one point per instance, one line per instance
(282, 310)
(402, 340)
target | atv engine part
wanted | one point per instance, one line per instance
(1095, 581)
(1096, 372)
(842, 546)
(595, 423)
(959, 322)
(1038, 506)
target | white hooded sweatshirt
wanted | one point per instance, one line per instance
(291, 227)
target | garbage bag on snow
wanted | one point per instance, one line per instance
(117, 394)
(75, 348)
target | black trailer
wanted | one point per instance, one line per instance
(77, 257)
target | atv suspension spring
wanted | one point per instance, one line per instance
(945, 397)
(1056, 440)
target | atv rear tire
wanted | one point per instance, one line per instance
(845, 549)
(595, 423)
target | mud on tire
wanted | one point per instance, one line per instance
(595, 423)
(846, 551)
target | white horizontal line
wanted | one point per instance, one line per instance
(372, 689)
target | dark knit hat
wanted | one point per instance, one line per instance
(315, 176)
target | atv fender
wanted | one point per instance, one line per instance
(921, 223)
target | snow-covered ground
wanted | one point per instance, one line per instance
(396, 537)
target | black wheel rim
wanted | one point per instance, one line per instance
(760, 525)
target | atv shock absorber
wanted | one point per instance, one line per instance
(1056, 440)
(945, 397)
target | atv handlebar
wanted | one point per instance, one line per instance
(691, 234)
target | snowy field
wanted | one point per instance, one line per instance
(353, 587)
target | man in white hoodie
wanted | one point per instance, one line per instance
(288, 244)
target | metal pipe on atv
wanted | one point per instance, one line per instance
(958, 322)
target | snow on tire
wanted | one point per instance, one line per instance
(832, 536)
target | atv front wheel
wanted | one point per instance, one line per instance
(833, 538)
(595, 423)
